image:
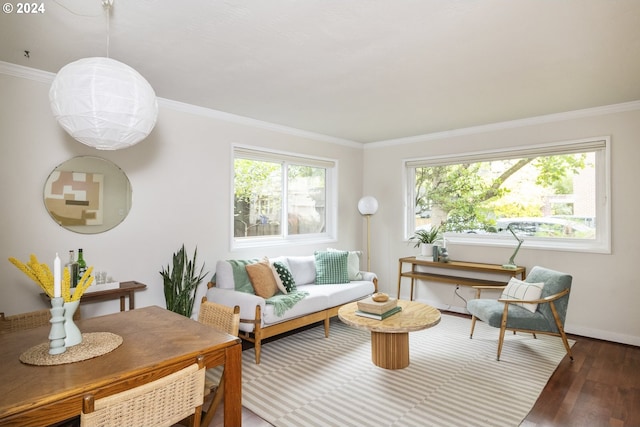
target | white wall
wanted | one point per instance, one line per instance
(606, 287)
(181, 194)
(181, 179)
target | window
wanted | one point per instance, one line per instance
(554, 196)
(281, 197)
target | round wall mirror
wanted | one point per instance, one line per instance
(87, 195)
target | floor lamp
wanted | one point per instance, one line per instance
(368, 206)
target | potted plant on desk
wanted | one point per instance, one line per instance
(425, 238)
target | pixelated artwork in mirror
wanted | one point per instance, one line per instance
(75, 198)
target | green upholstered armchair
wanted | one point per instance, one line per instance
(548, 317)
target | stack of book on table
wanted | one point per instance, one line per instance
(377, 310)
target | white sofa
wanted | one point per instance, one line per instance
(258, 319)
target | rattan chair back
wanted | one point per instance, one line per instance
(220, 316)
(23, 321)
(226, 319)
(30, 320)
(163, 402)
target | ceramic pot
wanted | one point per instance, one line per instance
(426, 249)
(74, 336)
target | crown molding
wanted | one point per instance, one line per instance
(47, 77)
(529, 121)
(26, 72)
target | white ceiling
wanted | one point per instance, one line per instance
(360, 70)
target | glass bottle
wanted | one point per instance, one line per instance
(82, 265)
(73, 270)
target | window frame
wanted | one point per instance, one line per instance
(601, 243)
(286, 158)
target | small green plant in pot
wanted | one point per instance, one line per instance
(181, 282)
(425, 239)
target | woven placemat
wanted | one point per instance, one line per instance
(93, 344)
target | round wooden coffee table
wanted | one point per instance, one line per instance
(390, 337)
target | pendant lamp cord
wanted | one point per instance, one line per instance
(107, 4)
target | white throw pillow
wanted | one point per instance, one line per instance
(303, 269)
(517, 289)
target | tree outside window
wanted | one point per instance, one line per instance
(279, 199)
(540, 195)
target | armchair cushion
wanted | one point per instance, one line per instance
(518, 289)
(490, 311)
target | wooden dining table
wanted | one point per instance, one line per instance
(155, 343)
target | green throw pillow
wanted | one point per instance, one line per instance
(285, 276)
(331, 267)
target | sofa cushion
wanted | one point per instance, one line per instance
(232, 274)
(223, 277)
(320, 298)
(331, 267)
(285, 276)
(353, 264)
(309, 304)
(338, 294)
(517, 289)
(303, 269)
(262, 279)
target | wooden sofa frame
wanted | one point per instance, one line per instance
(260, 333)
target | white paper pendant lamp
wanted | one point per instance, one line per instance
(103, 103)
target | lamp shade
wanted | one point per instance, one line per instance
(103, 103)
(368, 205)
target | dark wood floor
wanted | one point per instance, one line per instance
(601, 387)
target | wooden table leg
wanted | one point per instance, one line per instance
(122, 303)
(390, 351)
(132, 303)
(233, 386)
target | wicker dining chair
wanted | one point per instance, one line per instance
(163, 402)
(23, 321)
(226, 319)
(32, 319)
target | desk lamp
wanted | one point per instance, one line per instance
(511, 264)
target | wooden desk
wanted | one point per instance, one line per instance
(156, 342)
(445, 273)
(126, 289)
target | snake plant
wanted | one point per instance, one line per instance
(181, 283)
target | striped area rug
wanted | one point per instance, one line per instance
(308, 380)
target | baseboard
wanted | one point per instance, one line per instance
(603, 335)
(570, 329)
